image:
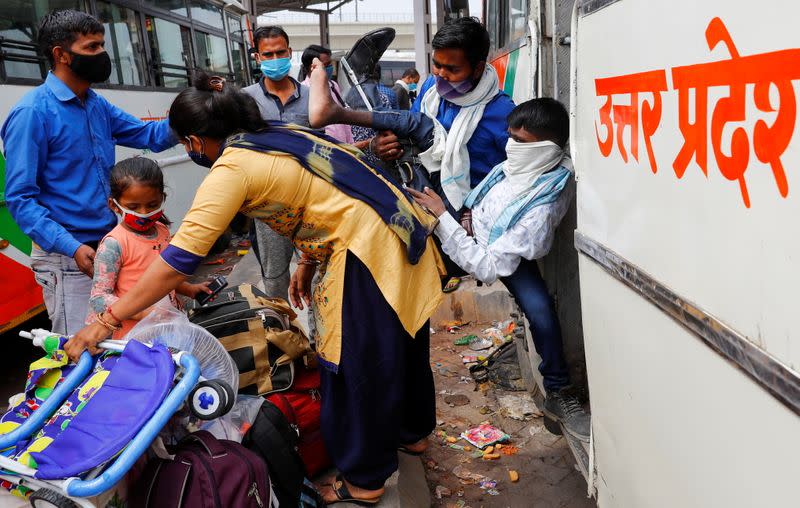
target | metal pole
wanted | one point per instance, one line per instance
(324, 29)
(422, 37)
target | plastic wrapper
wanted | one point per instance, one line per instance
(235, 424)
(168, 326)
(484, 435)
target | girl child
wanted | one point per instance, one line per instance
(137, 197)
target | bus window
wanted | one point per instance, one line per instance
(171, 47)
(123, 43)
(212, 54)
(173, 6)
(240, 63)
(204, 12)
(517, 21)
(235, 26)
(19, 21)
(492, 25)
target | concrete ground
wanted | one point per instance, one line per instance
(548, 477)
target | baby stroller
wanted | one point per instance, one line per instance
(78, 429)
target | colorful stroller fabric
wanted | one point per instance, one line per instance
(43, 376)
(124, 390)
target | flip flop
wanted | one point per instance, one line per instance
(343, 495)
(452, 284)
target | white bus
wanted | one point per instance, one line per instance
(154, 46)
(676, 274)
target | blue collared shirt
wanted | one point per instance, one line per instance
(487, 146)
(59, 153)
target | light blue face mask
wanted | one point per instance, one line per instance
(412, 87)
(276, 69)
(329, 70)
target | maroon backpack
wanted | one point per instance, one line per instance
(206, 473)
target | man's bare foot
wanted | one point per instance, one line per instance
(350, 491)
(416, 448)
(321, 108)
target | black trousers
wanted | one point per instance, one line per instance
(382, 394)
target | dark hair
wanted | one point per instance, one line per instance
(266, 32)
(312, 52)
(62, 28)
(139, 170)
(410, 73)
(466, 34)
(545, 118)
(206, 110)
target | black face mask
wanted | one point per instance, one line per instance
(92, 68)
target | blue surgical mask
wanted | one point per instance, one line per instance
(276, 69)
(412, 87)
(199, 158)
(329, 70)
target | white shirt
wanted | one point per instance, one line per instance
(530, 238)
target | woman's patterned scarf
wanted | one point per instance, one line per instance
(348, 170)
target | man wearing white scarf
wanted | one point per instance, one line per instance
(469, 111)
(515, 213)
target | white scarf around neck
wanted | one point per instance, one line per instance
(448, 153)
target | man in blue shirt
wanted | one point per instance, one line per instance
(59, 142)
(460, 51)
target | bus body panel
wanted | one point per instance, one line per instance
(695, 233)
(676, 423)
(673, 423)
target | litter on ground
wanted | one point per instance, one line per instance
(519, 406)
(484, 435)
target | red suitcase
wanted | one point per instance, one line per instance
(301, 404)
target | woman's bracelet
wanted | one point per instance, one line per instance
(107, 324)
(370, 147)
(111, 313)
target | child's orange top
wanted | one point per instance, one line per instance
(122, 258)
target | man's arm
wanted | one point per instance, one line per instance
(131, 132)
(25, 147)
(530, 238)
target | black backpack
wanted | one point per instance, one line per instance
(273, 438)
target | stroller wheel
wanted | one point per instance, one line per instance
(45, 498)
(208, 400)
(231, 397)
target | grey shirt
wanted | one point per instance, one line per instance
(403, 99)
(294, 111)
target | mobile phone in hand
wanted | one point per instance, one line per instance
(216, 286)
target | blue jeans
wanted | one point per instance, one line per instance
(530, 291)
(406, 124)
